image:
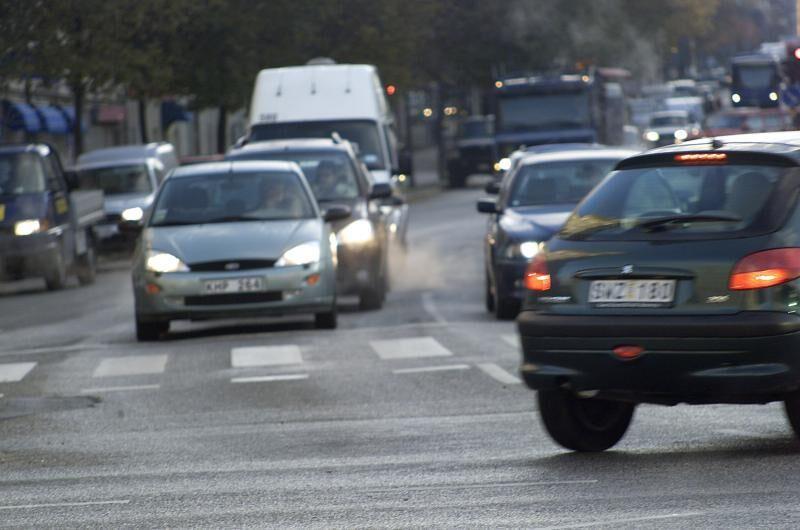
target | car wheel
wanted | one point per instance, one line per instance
(505, 308)
(489, 295)
(583, 424)
(56, 277)
(328, 320)
(791, 406)
(87, 266)
(150, 331)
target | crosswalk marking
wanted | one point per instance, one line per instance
(265, 356)
(512, 340)
(494, 371)
(131, 365)
(13, 372)
(269, 378)
(412, 348)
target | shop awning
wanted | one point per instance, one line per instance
(69, 114)
(53, 120)
(19, 116)
(172, 111)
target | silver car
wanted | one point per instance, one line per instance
(234, 239)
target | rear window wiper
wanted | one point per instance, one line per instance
(688, 218)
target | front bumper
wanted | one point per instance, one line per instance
(359, 268)
(181, 295)
(749, 357)
(27, 256)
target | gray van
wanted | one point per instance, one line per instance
(129, 176)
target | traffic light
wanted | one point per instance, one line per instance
(390, 90)
(791, 67)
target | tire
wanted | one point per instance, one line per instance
(791, 406)
(505, 308)
(489, 295)
(87, 266)
(150, 331)
(56, 277)
(327, 320)
(583, 424)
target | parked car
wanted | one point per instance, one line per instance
(534, 201)
(337, 176)
(676, 281)
(671, 126)
(234, 239)
(129, 176)
(45, 220)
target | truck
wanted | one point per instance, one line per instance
(472, 151)
(567, 108)
(46, 222)
(755, 81)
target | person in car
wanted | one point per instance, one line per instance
(330, 183)
(278, 198)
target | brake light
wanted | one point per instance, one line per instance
(700, 159)
(765, 269)
(537, 278)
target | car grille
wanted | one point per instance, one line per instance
(234, 298)
(231, 265)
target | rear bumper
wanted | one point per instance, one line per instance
(750, 357)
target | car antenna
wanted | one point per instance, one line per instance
(337, 139)
(716, 143)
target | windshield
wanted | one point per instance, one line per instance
(364, 133)
(665, 121)
(755, 76)
(330, 174)
(531, 112)
(232, 197)
(558, 182)
(21, 173)
(117, 180)
(625, 200)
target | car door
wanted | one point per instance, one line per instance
(58, 198)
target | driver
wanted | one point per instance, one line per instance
(277, 197)
(328, 179)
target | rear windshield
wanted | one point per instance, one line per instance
(117, 180)
(685, 202)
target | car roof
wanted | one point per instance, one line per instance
(123, 152)
(237, 166)
(578, 155)
(294, 144)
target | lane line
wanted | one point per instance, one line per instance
(100, 390)
(412, 348)
(512, 340)
(495, 372)
(430, 307)
(63, 504)
(480, 486)
(13, 372)
(432, 369)
(131, 365)
(269, 378)
(612, 522)
(265, 356)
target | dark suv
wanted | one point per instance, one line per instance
(677, 280)
(338, 177)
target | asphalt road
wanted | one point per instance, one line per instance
(408, 416)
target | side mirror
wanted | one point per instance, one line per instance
(488, 205)
(72, 180)
(336, 213)
(380, 190)
(131, 228)
(492, 188)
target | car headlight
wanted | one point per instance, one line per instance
(526, 249)
(736, 98)
(652, 136)
(356, 233)
(132, 214)
(504, 164)
(681, 134)
(29, 227)
(304, 254)
(163, 262)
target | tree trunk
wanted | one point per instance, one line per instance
(222, 127)
(78, 94)
(143, 119)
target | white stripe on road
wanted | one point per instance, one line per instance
(13, 372)
(431, 369)
(430, 307)
(131, 365)
(62, 505)
(265, 356)
(100, 390)
(512, 340)
(494, 371)
(409, 348)
(269, 378)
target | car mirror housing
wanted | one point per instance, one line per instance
(492, 188)
(336, 213)
(380, 190)
(488, 205)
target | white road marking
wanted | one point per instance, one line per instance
(430, 307)
(63, 505)
(512, 340)
(494, 371)
(100, 390)
(412, 348)
(13, 372)
(269, 378)
(613, 522)
(265, 356)
(131, 365)
(431, 369)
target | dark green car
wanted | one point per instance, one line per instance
(677, 280)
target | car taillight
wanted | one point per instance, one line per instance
(765, 269)
(537, 278)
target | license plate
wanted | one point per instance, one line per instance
(631, 293)
(233, 285)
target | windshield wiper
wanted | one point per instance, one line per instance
(688, 218)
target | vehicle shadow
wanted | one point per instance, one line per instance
(233, 329)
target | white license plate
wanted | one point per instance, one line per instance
(636, 292)
(233, 285)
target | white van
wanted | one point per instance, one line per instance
(316, 100)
